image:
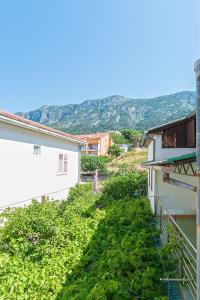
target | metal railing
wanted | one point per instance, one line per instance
(184, 252)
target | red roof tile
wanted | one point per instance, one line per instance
(97, 135)
(38, 125)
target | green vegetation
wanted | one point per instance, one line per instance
(114, 151)
(118, 138)
(128, 161)
(90, 247)
(127, 186)
(91, 163)
(127, 136)
(115, 113)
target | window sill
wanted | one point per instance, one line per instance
(61, 174)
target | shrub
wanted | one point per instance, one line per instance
(121, 261)
(129, 185)
(114, 150)
(91, 163)
(89, 247)
(40, 245)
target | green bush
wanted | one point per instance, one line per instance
(121, 261)
(114, 151)
(89, 247)
(130, 185)
(91, 163)
(40, 245)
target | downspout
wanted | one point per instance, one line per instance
(197, 70)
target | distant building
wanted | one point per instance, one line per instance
(36, 161)
(123, 147)
(96, 143)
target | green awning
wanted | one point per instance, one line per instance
(172, 160)
(181, 157)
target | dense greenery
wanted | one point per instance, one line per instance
(115, 113)
(90, 247)
(128, 136)
(121, 261)
(118, 138)
(130, 185)
(91, 163)
(114, 151)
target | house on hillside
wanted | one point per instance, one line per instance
(96, 143)
(35, 161)
(123, 147)
(171, 169)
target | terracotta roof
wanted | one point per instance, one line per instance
(97, 135)
(22, 120)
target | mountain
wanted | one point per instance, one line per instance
(114, 113)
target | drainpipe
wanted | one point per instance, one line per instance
(197, 70)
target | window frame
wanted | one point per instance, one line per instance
(62, 164)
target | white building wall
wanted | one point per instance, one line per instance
(179, 201)
(152, 187)
(24, 175)
(164, 153)
(150, 151)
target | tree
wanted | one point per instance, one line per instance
(114, 150)
(133, 136)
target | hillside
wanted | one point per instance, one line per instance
(114, 113)
(129, 160)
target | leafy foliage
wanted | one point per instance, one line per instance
(121, 261)
(90, 163)
(118, 138)
(89, 247)
(41, 244)
(114, 151)
(130, 185)
(133, 136)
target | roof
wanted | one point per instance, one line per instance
(97, 135)
(169, 124)
(172, 160)
(20, 121)
(155, 130)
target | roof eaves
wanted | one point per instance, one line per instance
(45, 130)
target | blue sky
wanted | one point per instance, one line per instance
(60, 52)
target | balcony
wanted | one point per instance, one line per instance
(185, 274)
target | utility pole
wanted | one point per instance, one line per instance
(197, 70)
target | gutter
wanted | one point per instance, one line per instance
(40, 130)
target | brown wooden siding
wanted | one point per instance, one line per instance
(180, 136)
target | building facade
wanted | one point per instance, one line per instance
(96, 143)
(36, 161)
(171, 170)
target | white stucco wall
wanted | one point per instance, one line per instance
(164, 153)
(178, 200)
(152, 191)
(150, 151)
(25, 176)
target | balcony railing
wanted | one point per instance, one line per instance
(184, 252)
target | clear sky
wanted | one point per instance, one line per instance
(67, 51)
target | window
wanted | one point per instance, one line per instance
(62, 164)
(36, 150)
